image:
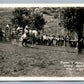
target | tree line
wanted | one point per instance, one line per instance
(30, 17)
(72, 18)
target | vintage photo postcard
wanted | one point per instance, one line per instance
(41, 42)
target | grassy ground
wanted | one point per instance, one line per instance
(37, 61)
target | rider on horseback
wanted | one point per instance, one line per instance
(25, 36)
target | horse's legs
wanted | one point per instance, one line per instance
(23, 42)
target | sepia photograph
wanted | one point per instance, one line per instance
(38, 41)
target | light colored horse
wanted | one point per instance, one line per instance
(33, 32)
(29, 34)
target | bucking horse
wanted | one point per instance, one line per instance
(28, 35)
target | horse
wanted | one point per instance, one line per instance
(33, 32)
(33, 35)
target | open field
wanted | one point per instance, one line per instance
(38, 61)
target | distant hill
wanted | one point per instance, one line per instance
(5, 16)
(52, 25)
